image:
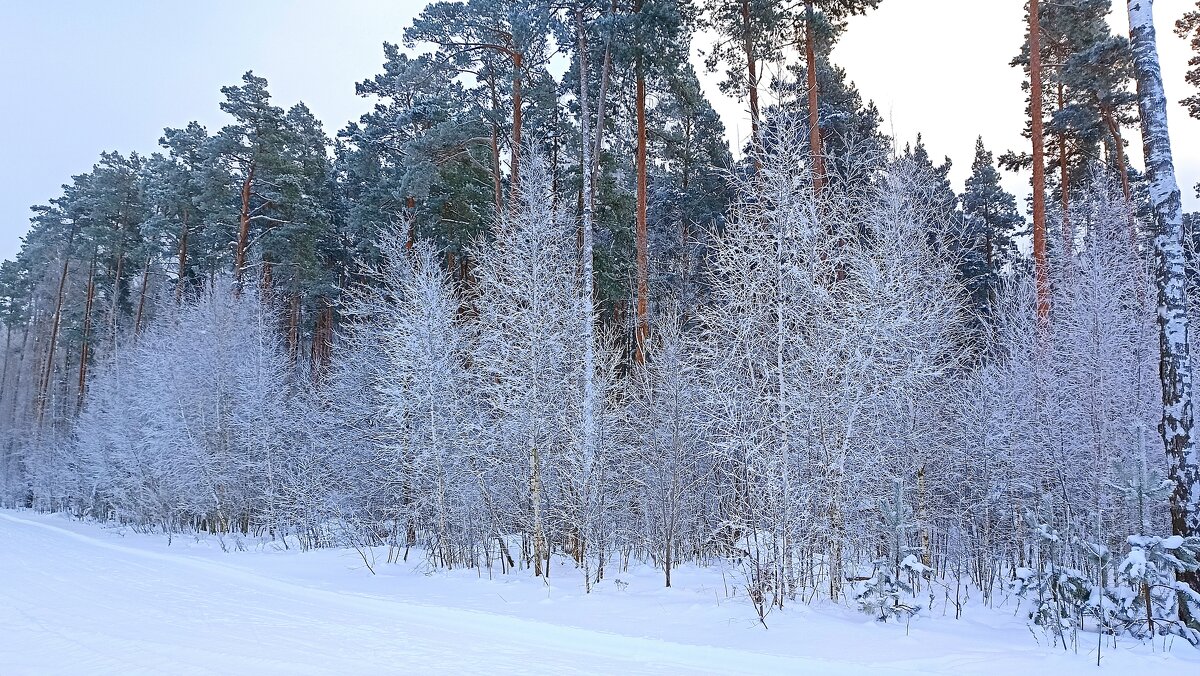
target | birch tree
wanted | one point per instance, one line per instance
(1175, 364)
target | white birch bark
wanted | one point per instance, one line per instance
(1175, 367)
(586, 285)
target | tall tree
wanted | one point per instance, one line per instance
(992, 225)
(483, 34)
(248, 144)
(427, 155)
(1175, 363)
(1099, 102)
(189, 193)
(751, 33)
(1041, 269)
(851, 135)
(659, 44)
(835, 12)
(587, 284)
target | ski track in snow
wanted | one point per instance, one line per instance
(78, 600)
(75, 604)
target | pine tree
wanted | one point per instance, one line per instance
(428, 155)
(937, 203)
(689, 190)
(1189, 26)
(1099, 104)
(508, 36)
(188, 193)
(835, 12)
(850, 128)
(250, 145)
(658, 44)
(1041, 267)
(751, 34)
(992, 225)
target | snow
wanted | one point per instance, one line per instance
(79, 598)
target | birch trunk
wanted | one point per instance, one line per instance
(586, 254)
(1175, 365)
(642, 330)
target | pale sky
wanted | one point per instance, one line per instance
(84, 76)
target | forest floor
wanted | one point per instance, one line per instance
(84, 598)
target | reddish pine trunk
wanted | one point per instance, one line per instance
(239, 259)
(516, 136)
(814, 118)
(1123, 170)
(44, 385)
(642, 330)
(1119, 153)
(1040, 266)
(322, 339)
(268, 282)
(752, 79)
(411, 204)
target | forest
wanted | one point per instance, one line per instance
(533, 306)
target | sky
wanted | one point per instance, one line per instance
(80, 77)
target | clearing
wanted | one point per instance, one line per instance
(83, 598)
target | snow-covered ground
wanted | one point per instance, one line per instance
(77, 598)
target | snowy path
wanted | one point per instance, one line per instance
(72, 603)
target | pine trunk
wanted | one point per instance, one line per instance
(87, 331)
(44, 386)
(183, 242)
(1118, 158)
(1040, 264)
(243, 241)
(293, 332)
(642, 330)
(322, 345)
(752, 76)
(7, 358)
(1175, 364)
(515, 162)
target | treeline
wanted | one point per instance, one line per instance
(508, 316)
